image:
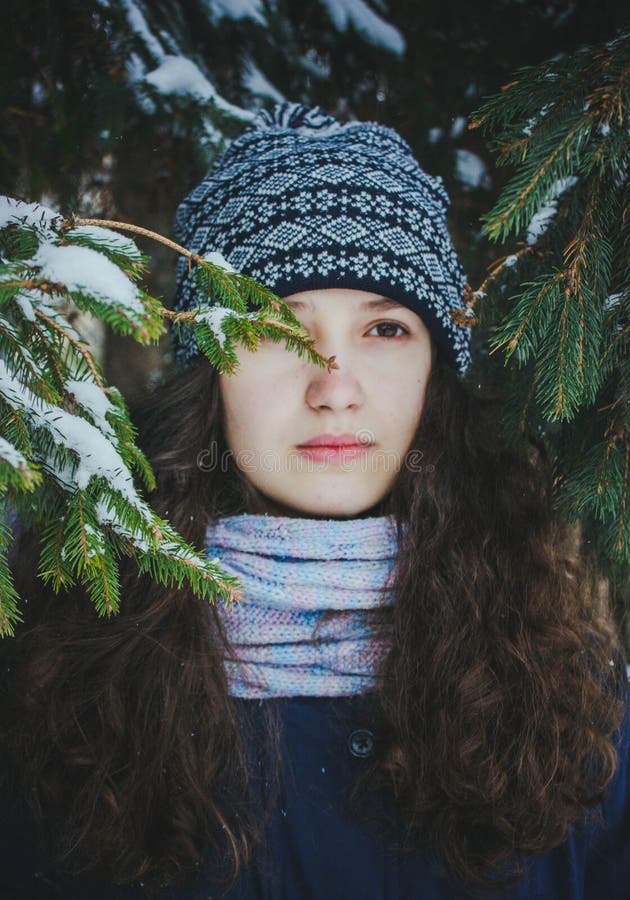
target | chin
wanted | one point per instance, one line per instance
(325, 508)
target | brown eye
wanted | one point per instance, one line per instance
(388, 326)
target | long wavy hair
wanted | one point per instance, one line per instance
(497, 702)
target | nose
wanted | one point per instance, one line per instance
(337, 389)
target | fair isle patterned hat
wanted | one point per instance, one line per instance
(300, 201)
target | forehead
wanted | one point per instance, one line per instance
(313, 301)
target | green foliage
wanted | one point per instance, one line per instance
(559, 306)
(68, 455)
(227, 322)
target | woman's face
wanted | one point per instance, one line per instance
(276, 402)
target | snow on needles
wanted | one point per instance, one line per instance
(88, 272)
(238, 9)
(366, 22)
(138, 25)
(178, 75)
(94, 400)
(11, 454)
(217, 259)
(257, 83)
(13, 210)
(97, 455)
(539, 223)
(80, 269)
(471, 170)
(75, 448)
(213, 318)
(112, 239)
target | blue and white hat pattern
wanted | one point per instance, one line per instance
(300, 201)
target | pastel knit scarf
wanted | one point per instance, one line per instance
(293, 571)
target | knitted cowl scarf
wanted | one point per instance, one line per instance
(293, 571)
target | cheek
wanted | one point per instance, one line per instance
(405, 404)
(236, 401)
(251, 405)
(240, 415)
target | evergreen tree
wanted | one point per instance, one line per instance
(557, 306)
(67, 446)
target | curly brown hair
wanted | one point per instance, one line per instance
(498, 701)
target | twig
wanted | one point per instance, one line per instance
(84, 353)
(75, 221)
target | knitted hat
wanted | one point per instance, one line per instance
(300, 201)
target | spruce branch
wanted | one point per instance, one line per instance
(228, 287)
(76, 344)
(533, 186)
(558, 305)
(10, 613)
(67, 447)
(78, 221)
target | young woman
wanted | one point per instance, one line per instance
(421, 694)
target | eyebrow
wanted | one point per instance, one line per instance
(378, 304)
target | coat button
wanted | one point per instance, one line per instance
(361, 742)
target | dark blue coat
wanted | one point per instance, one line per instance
(318, 854)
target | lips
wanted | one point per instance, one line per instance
(334, 440)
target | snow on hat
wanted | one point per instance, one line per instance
(300, 201)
